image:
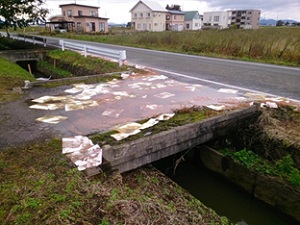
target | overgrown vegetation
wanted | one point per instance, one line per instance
(78, 65)
(39, 187)
(271, 45)
(283, 167)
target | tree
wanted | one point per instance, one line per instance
(279, 23)
(174, 7)
(20, 13)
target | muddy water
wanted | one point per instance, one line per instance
(222, 196)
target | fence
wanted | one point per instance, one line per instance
(111, 53)
(120, 55)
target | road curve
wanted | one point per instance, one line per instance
(272, 79)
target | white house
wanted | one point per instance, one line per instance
(217, 19)
(148, 16)
(192, 20)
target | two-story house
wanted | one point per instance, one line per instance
(148, 16)
(175, 20)
(217, 19)
(192, 20)
(80, 18)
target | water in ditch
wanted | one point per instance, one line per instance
(221, 195)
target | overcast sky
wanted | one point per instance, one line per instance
(118, 10)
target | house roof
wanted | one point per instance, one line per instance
(154, 6)
(74, 4)
(189, 15)
(176, 12)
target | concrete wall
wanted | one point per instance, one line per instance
(155, 147)
(274, 192)
(23, 55)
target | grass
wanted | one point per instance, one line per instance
(270, 45)
(40, 187)
(11, 76)
(284, 168)
(78, 65)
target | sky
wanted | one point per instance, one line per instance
(118, 10)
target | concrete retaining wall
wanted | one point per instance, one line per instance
(23, 55)
(155, 147)
(274, 192)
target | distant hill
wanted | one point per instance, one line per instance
(117, 24)
(272, 22)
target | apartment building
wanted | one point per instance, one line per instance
(245, 19)
(80, 18)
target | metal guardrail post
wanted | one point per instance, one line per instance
(122, 57)
(45, 42)
(85, 51)
(62, 45)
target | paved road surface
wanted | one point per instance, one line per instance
(276, 80)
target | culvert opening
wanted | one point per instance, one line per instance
(29, 65)
(32, 67)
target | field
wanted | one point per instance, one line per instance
(269, 45)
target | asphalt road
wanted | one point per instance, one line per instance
(271, 79)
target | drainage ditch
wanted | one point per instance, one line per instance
(264, 189)
(218, 193)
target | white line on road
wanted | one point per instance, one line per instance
(222, 84)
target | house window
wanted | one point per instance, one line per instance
(135, 15)
(148, 15)
(168, 17)
(150, 26)
(249, 12)
(141, 15)
(196, 24)
(144, 26)
(174, 17)
(216, 18)
(139, 26)
(93, 13)
(155, 24)
(102, 26)
(92, 26)
(79, 26)
(187, 26)
(79, 13)
(64, 13)
(154, 14)
(69, 12)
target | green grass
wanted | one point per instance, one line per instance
(272, 45)
(11, 76)
(78, 65)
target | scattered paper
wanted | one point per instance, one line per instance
(51, 119)
(229, 91)
(216, 107)
(82, 152)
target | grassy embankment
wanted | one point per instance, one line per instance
(268, 45)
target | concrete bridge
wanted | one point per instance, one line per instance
(146, 150)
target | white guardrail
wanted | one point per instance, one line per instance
(120, 55)
(111, 53)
